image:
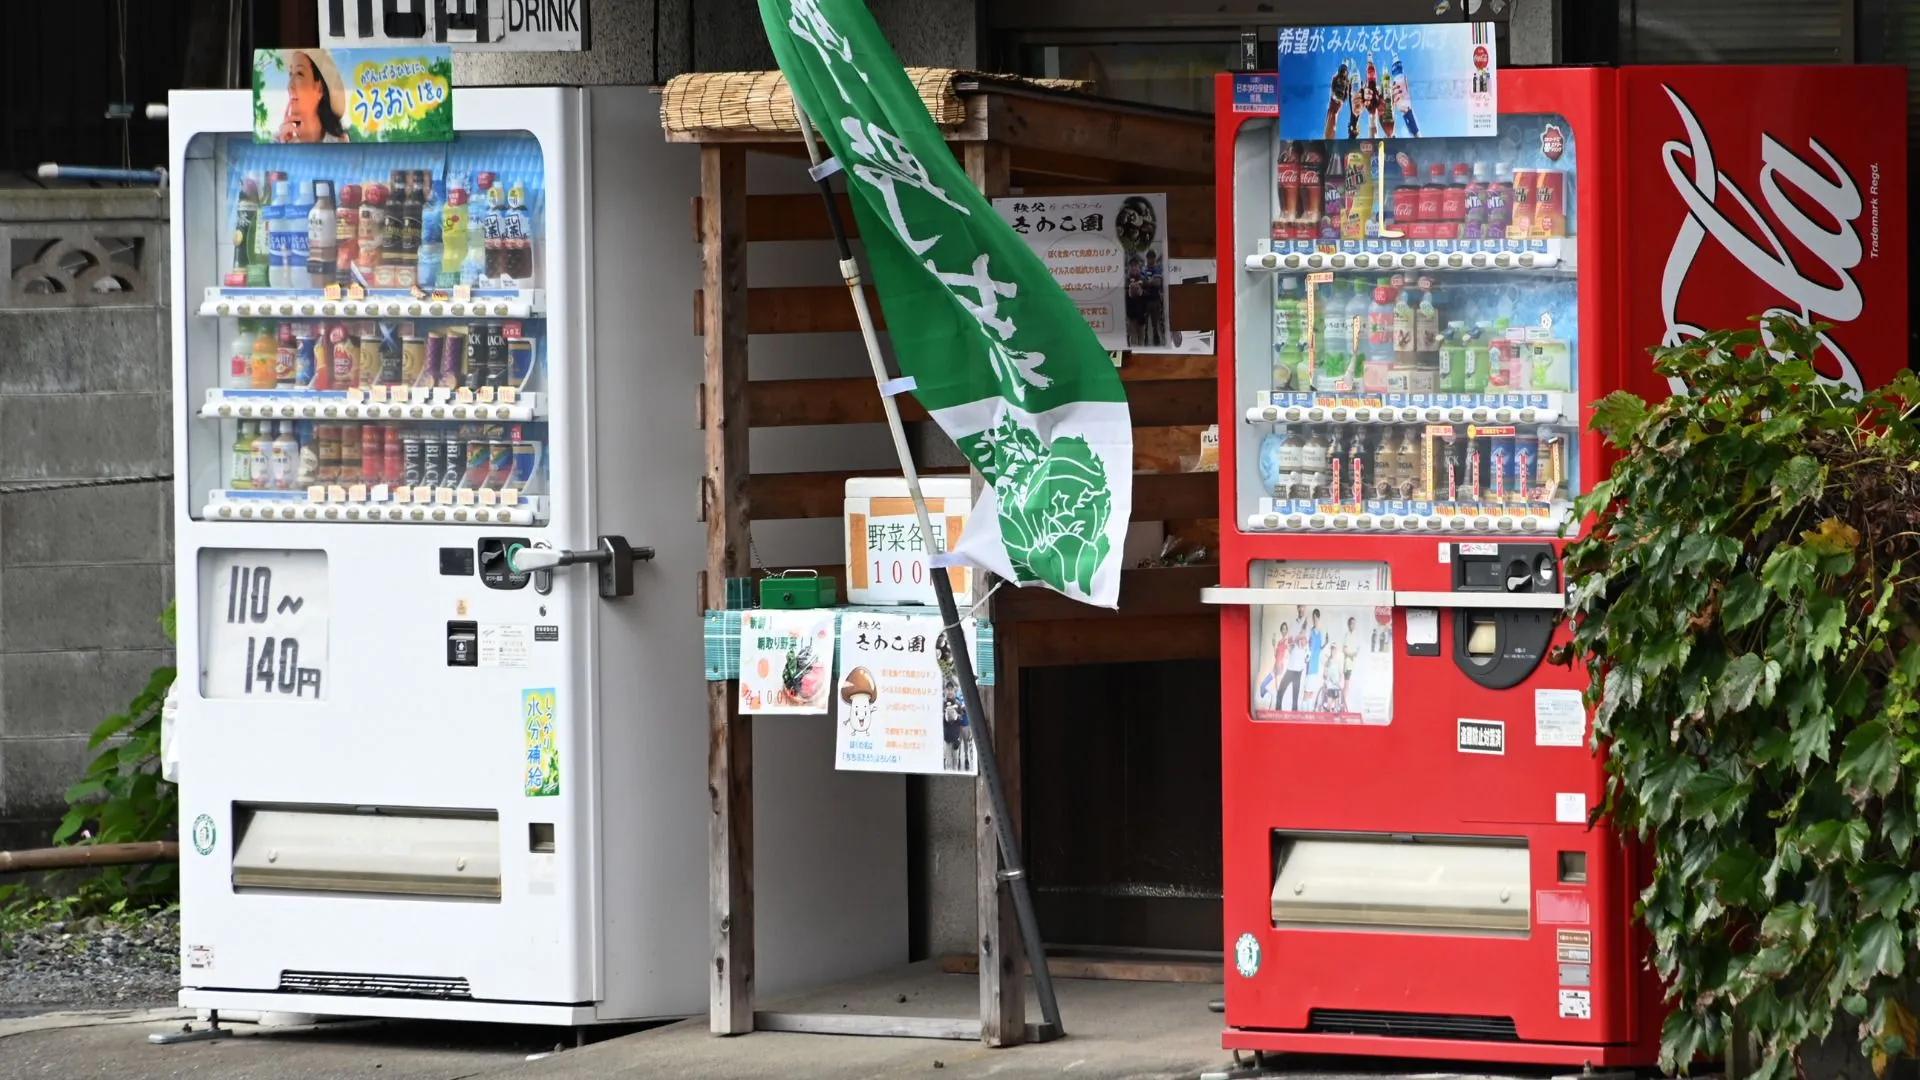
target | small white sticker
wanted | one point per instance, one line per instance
(1446, 552)
(1423, 626)
(1576, 1004)
(504, 645)
(1479, 549)
(1246, 956)
(1559, 718)
(1482, 736)
(1570, 808)
(200, 957)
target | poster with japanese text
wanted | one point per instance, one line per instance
(353, 95)
(900, 705)
(1109, 252)
(1323, 662)
(1433, 80)
(786, 661)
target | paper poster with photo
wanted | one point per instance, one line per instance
(353, 95)
(1324, 662)
(786, 661)
(900, 705)
(1416, 81)
(1109, 252)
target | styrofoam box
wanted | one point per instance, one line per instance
(886, 561)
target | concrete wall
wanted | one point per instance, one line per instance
(84, 566)
(716, 35)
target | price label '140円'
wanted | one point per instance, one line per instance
(264, 620)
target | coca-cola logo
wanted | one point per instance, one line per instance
(1788, 181)
(1553, 142)
(1480, 57)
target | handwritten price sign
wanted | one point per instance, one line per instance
(264, 624)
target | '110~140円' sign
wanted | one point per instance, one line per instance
(264, 624)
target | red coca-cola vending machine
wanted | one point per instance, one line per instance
(1412, 331)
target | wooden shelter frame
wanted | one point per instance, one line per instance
(1012, 136)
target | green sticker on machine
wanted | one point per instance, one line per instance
(1246, 956)
(542, 750)
(204, 834)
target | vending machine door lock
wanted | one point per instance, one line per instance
(614, 556)
(1499, 647)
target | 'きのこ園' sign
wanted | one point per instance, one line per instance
(900, 704)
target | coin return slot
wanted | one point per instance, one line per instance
(1573, 868)
(540, 838)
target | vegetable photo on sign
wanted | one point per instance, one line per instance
(999, 354)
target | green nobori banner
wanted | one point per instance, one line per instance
(353, 95)
(998, 353)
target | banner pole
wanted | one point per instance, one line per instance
(1013, 872)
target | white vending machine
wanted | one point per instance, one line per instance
(442, 731)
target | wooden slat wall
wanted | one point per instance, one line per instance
(1172, 398)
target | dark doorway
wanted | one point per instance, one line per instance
(1121, 792)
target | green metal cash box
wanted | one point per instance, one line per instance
(798, 589)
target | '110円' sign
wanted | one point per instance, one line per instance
(264, 619)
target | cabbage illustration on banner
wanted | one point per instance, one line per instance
(998, 353)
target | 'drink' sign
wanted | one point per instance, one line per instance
(263, 624)
(464, 25)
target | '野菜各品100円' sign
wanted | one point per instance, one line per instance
(352, 95)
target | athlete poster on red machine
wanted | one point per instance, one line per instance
(1323, 662)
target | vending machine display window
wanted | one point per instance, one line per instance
(1406, 349)
(375, 348)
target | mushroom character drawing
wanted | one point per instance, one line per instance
(858, 693)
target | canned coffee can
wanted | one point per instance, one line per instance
(413, 361)
(497, 361)
(328, 436)
(433, 460)
(526, 461)
(373, 454)
(478, 457)
(519, 361)
(474, 357)
(499, 462)
(413, 460)
(349, 471)
(286, 365)
(453, 464)
(370, 362)
(453, 356)
(346, 361)
(393, 456)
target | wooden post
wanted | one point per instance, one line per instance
(723, 311)
(1003, 1004)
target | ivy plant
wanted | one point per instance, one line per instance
(1747, 607)
(123, 798)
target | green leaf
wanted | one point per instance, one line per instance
(1868, 763)
(1828, 842)
(1619, 417)
(1877, 949)
(1742, 601)
(1788, 572)
(1740, 683)
(1883, 888)
(1800, 479)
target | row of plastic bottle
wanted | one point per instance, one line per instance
(1389, 336)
